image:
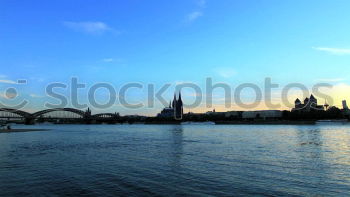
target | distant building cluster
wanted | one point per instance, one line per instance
(309, 104)
(307, 109)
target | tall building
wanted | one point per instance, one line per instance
(345, 106)
(178, 108)
(175, 109)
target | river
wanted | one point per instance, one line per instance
(176, 160)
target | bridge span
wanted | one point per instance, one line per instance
(64, 115)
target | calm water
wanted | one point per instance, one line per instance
(175, 160)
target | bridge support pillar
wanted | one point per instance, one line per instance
(88, 120)
(29, 121)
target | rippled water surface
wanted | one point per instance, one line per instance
(175, 160)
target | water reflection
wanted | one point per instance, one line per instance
(310, 152)
(310, 143)
(176, 146)
(310, 136)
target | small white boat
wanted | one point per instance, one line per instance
(4, 125)
(198, 123)
(332, 121)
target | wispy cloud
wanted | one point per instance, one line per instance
(194, 16)
(336, 51)
(89, 27)
(114, 61)
(201, 3)
(225, 72)
(108, 60)
(7, 81)
(331, 79)
(338, 93)
(198, 12)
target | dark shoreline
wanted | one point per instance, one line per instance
(239, 122)
(244, 122)
(221, 122)
(20, 130)
(275, 122)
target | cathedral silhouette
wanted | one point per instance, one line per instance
(175, 109)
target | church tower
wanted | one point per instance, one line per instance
(174, 101)
(178, 108)
(175, 109)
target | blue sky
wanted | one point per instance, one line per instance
(171, 42)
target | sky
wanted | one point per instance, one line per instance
(159, 42)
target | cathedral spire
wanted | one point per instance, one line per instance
(178, 109)
(179, 101)
(174, 101)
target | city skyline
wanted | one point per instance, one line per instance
(157, 42)
(174, 98)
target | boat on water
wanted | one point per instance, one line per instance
(46, 123)
(332, 121)
(198, 123)
(4, 125)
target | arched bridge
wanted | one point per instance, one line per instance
(7, 112)
(47, 111)
(13, 113)
(56, 114)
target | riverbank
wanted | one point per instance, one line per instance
(239, 122)
(272, 122)
(20, 130)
